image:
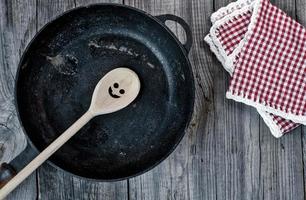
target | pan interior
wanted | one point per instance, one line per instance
(64, 63)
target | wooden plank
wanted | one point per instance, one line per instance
(27, 190)
(169, 180)
(222, 145)
(53, 183)
(17, 25)
(231, 142)
(281, 160)
(49, 9)
(231, 154)
(56, 184)
(87, 2)
(228, 152)
(301, 18)
(183, 175)
(275, 165)
(301, 12)
(278, 162)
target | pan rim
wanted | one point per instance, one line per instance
(192, 91)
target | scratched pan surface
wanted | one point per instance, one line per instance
(64, 62)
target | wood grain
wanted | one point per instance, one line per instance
(169, 180)
(281, 160)
(301, 18)
(227, 153)
(56, 184)
(234, 148)
(87, 2)
(17, 25)
(189, 172)
(269, 167)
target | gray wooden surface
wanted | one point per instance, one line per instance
(227, 153)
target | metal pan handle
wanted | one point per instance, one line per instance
(166, 17)
(9, 170)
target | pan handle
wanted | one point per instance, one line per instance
(169, 17)
(9, 170)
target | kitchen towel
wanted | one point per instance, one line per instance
(264, 50)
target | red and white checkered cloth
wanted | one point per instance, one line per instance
(265, 51)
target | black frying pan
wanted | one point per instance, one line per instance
(63, 63)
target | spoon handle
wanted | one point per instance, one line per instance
(45, 154)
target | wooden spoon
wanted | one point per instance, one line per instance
(116, 90)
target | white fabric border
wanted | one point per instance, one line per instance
(268, 119)
(231, 7)
(224, 15)
(300, 119)
(230, 59)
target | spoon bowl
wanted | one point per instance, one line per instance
(117, 89)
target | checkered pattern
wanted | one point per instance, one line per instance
(271, 67)
(284, 125)
(230, 34)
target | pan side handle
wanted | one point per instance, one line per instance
(169, 17)
(7, 172)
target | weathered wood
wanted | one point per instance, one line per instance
(56, 184)
(301, 12)
(53, 183)
(49, 9)
(26, 190)
(227, 153)
(169, 180)
(301, 18)
(281, 166)
(180, 175)
(87, 2)
(268, 169)
(230, 145)
(17, 27)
